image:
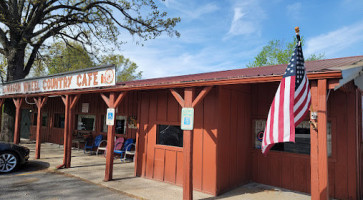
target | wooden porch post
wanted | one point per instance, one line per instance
(188, 102)
(66, 109)
(111, 102)
(73, 102)
(318, 141)
(39, 103)
(17, 102)
(188, 151)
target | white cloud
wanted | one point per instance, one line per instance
(294, 10)
(189, 10)
(161, 60)
(336, 41)
(247, 19)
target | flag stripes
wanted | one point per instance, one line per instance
(290, 105)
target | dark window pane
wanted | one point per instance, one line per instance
(120, 126)
(44, 119)
(88, 123)
(59, 120)
(35, 119)
(169, 135)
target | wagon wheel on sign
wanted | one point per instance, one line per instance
(260, 136)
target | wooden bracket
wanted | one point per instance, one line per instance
(2, 102)
(40, 101)
(178, 98)
(114, 104)
(64, 99)
(18, 102)
(106, 99)
(74, 101)
(197, 100)
(201, 95)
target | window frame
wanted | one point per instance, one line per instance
(79, 119)
(331, 126)
(164, 146)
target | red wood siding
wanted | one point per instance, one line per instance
(165, 163)
(292, 171)
(97, 107)
(234, 137)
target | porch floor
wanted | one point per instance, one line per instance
(91, 168)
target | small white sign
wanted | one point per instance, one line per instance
(187, 119)
(85, 107)
(110, 117)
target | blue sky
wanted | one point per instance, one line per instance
(227, 34)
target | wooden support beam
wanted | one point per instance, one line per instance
(66, 101)
(177, 97)
(201, 95)
(2, 102)
(314, 164)
(318, 142)
(188, 102)
(17, 102)
(188, 151)
(112, 101)
(106, 99)
(110, 142)
(73, 102)
(39, 103)
(322, 140)
(119, 99)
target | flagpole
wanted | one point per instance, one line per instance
(313, 123)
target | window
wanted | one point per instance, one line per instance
(59, 120)
(169, 135)
(86, 122)
(120, 124)
(44, 119)
(302, 138)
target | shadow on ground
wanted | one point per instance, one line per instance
(31, 166)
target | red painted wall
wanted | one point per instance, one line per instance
(292, 171)
(96, 107)
(165, 163)
(224, 156)
(234, 137)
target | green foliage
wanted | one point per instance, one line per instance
(96, 24)
(276, 52)
(125, 68)
(62, 58)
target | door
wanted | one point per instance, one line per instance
(25, 123)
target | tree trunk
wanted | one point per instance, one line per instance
(8, 120)
(15, 71)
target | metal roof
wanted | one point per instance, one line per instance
(318, 66)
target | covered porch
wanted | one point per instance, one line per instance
(91, 168)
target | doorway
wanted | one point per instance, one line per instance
(25, 123)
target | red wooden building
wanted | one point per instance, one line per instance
(230, 109)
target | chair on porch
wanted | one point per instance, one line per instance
(126, 149)
(103, 145)
(90, 145)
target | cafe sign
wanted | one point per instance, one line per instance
(93, 77)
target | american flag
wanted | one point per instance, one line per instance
(291, 103)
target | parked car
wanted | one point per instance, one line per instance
(12, 156)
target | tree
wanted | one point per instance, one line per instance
(125, 68)
(275, 52)
(26, 25)
(62, 58)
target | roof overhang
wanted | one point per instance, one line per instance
(350, 73)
